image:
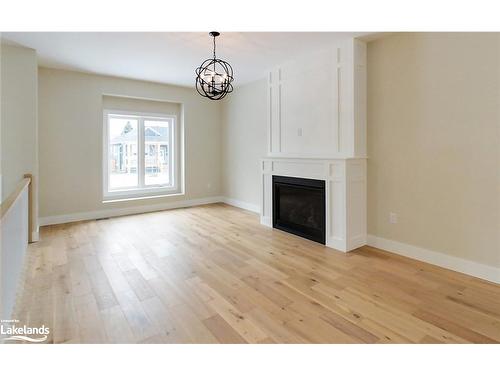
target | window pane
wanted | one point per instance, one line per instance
(156, 152)
(123, 153)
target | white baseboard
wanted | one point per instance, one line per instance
(112, 212)
(91, 215)
(468, 267)
(241, 204)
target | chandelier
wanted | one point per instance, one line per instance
(214, 76)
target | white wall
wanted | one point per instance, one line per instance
(70, 120)
(244, 142)
(434, 142)
(19, 153)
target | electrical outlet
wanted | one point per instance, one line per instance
(393, 218)
(209, 186)
(299, 132)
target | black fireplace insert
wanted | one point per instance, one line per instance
(299, 207)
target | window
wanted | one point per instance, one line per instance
(139, 155)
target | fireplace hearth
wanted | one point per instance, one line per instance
(299, 207)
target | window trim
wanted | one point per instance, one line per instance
(142, 191)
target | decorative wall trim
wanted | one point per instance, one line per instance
(329, 121)
(468, 267)
(112, 212)
(240, 204)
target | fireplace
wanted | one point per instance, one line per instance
(299, 207)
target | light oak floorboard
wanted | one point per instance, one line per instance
(213, 274)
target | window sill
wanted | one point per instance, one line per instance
(113, 199)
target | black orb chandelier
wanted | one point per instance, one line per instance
(214, 76)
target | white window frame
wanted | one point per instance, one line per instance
(142, 190)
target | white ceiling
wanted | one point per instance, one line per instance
(169, 57)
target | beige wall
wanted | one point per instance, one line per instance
(434, 142)
(70, 120)
(19, 127)
(244, 141)
(121, 103)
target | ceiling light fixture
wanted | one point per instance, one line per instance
(214, 76)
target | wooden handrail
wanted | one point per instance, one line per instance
(31, 216)
(14, 196)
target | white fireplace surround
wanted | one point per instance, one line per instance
(345, 190)
(317, 129)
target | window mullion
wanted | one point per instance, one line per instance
(106, 153)
(140, 150)
(171, 150)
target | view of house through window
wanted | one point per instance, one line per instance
(156, 152)
(139, 152)
(123, 163)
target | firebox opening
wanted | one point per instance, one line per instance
(299, 207)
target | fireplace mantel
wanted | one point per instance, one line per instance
(345, 195)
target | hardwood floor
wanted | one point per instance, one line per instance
(213, 274)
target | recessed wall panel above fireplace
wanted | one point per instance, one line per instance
(317, 104)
